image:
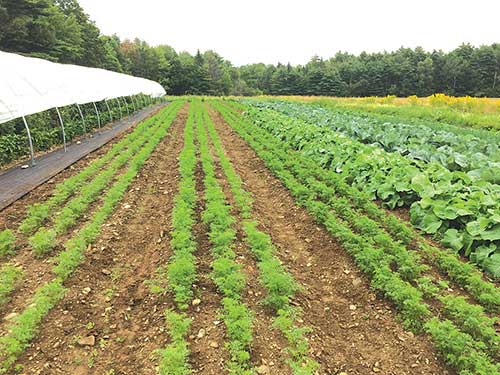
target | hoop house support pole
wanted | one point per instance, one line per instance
(126, 106)
(109, 110)
(120, 107)
(83, 118)
(30, 141)
(62, 127)
(133, 103)
(98, 116)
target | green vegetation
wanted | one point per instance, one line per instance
(181, 270)
(377, 257)
(227, 274)
(174, 358)
(416, 112)
(39, 212)
(7, 242)
(25, 326)
(451, 205)
(278, 283)
(45, 240)
(180, 274)
(9, 277)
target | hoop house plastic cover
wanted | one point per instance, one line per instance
(30, 85)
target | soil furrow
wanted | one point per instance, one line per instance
(268, 344)
(207, 339)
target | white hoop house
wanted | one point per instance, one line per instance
(30, 85)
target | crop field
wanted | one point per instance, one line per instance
(278, 236)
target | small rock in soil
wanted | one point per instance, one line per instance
(196, 302)
(214, 345)
(87, 341)
(352, 307)
(106, 272)
(263, 370)
(201, 333)
(11, 316)
(356, 281)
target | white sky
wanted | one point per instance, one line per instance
(293, 31)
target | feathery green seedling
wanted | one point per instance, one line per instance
(45, 240)
(10, 276)
(180, 274)
(174, 357)
(7, 240)
(471, 320)
(298, 349)
(181, 271)
(39, 212)
(227, 274)
(461, 350)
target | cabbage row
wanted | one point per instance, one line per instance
(466, 150)
(464, 213)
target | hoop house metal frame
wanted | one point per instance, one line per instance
(34, 85)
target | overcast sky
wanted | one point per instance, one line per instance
(293, 31)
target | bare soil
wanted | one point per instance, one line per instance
(110, 323)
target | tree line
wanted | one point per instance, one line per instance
(60, 30)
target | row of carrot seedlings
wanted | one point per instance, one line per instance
(226, 272)
(280, 285)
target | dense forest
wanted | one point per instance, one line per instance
(60, 30)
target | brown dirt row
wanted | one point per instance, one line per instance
(207, 331)
(353, 331)
(268, 346)
(107, 300)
